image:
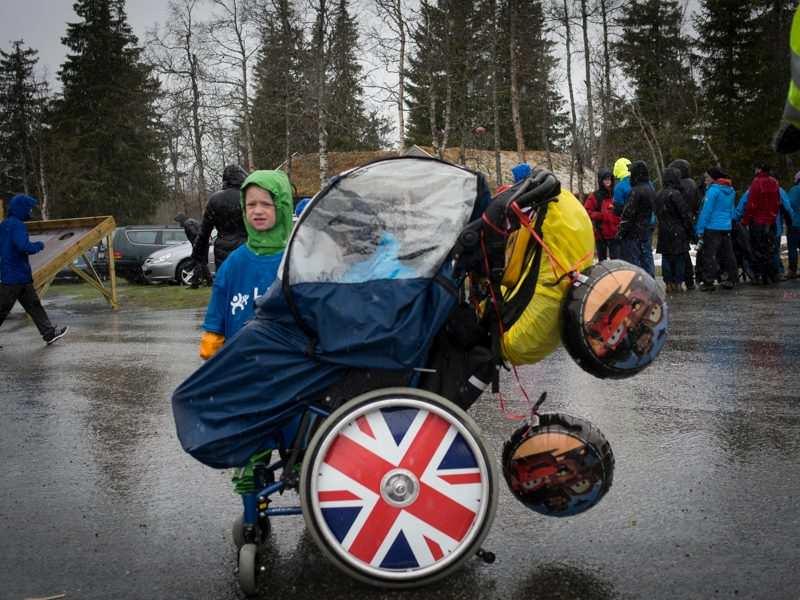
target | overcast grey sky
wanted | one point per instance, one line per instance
(42, 24)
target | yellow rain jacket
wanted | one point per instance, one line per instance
(567, 231)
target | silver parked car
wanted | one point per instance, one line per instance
(174, 263)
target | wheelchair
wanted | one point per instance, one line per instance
(353, 381)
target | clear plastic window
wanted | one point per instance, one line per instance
(393, 219)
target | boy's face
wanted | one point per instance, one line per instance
(259, 208)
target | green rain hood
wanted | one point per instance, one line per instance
(273, 240)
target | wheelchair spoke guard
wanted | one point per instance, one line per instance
(397, 487)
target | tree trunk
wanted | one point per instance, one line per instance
(43, 186)
(448, 95)
(248, 137)
(401, 84)
(431, 91)
(495, 106)
(574, 125)
(514, 57)
(287, 135)
(321, 100)
(176, 180)
(603, 154)
(432, 118)
(196, 126)
(589, 101)
(448, 104)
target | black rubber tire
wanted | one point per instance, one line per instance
(248, 563)
(182, 276)
(421, 399)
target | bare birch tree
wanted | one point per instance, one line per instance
(321, 38)
(514, 66)
(587, 57)
(391, 47)
(562, 15)
(495, 105)
(232, 32)
(178, 55)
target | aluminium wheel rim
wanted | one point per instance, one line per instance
(400, 489)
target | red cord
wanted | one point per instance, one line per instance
(573, 273)
(499, 395)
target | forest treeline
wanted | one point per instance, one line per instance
(139, 121)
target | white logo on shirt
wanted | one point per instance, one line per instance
(239, 301)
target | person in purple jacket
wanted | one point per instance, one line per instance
(16, 278)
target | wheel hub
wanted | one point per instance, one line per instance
(399, 487)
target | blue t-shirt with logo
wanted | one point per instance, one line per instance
(243, 277)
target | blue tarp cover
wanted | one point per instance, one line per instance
(357, 289)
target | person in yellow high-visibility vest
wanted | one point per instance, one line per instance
(787, 139)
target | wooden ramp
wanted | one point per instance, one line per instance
(65, 240)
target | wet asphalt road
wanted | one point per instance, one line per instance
(97, 500)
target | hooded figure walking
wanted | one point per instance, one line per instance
(16, 278)
(223, 212)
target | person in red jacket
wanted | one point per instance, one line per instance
(760, 217)
(765, 200)
(600, 206)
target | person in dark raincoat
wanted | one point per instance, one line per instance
(635, 226)
(674, 230)
(16, 278)
(223, 212)
(191, 227)
(692, 197)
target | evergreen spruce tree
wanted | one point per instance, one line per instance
(105, 128)
(445, 74)
(466, 60)
(347, 121)
(282, 121)
(744, 58)
(425, 76)
(21, 107)
(654, 55)
(543, 114)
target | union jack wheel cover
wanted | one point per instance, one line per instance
(397, 487)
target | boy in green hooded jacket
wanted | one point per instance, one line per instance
(249, 270)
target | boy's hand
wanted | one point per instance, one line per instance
(210, 343)
(39, 246)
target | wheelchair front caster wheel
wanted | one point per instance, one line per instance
(247, 569)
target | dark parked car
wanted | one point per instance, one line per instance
(68, 275)
(133, 244)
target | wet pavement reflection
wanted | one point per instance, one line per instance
(98, 500)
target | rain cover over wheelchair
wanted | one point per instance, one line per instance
(365, 283)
